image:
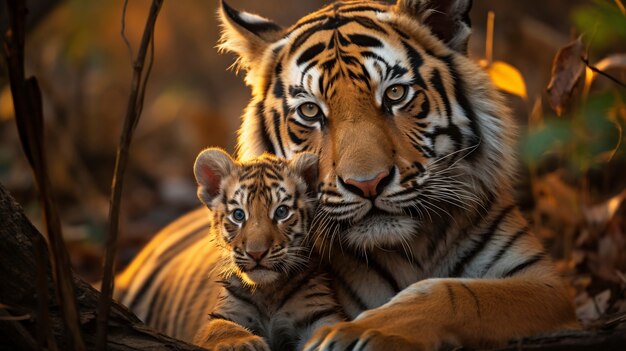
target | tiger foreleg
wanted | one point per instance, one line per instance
(224, 335)
(468, 312)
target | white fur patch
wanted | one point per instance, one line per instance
(252, 18)
(443, 145)
(260, 276)
(384, 16)
(376, 231)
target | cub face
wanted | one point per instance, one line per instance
(262, 210)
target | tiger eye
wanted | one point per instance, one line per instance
(239, 215)
(395, 92)
(281, 212)
(309, 110)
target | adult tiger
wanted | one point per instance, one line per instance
(416, 217)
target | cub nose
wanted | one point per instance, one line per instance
(257, 255)
(369, 188)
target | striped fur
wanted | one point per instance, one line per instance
(416, 219)
(273, 290)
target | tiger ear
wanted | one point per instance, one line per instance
(305, 164)
(447, 19)
(246, 34)
(211, 167)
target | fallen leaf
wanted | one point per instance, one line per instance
(556, 200)
(590, 309)
(567, 69)
(602, 213)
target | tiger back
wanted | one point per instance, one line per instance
(274, 292)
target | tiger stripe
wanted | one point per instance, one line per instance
(416, 221)
(261, 211)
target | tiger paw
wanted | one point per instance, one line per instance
(249, 343)
(360, 336)
(221, 335)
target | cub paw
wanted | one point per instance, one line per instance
(220, 335)
(249, 343)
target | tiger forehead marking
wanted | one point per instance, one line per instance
(337, 47)
(386, 106)
(261, 211)
(261, 184)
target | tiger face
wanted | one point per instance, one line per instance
(261, 211)
(406, 127)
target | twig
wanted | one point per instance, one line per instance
(621, 6)
(44, 334)
(27, 103)
(133, 112)
(28, 341)
(123, 31)
(126, 332)
(489, 37)
(602, 73)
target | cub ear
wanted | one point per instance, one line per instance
(447, 19)
(305, 164)
(246, 34)
(211, 167)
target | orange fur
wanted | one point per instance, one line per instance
(457, 265)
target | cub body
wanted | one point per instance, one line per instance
(274, 293)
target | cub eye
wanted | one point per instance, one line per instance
(239, 215)
(395, 93)
(281, 212)
(309, 110)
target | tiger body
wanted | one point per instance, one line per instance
(274, 291)
(416, 220)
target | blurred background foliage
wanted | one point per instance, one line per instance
(573, 164)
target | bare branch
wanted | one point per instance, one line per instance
(133, 112)
(602, 73)
(17, 259)
(27, 102)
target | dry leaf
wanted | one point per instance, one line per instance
(6, 104)
(602, 213)
(507, 78)
(567, 69)
(556, 200)
(590, 309)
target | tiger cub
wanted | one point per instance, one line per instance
(274, 294)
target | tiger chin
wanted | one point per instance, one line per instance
(416, 221)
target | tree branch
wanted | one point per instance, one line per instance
(19, 291)
(133, 112)
(27, 103)
(602, 73)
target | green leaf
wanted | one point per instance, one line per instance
(603, 23)
(538, 142)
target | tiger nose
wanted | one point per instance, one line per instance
(369, 188)
(257, 255)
